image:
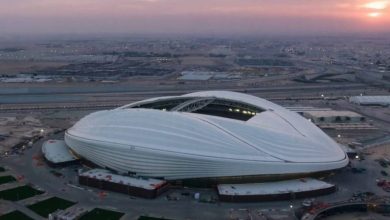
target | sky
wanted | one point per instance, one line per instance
(212, 17)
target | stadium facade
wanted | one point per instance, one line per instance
(211, 134)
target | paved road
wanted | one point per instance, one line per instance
(318, 212)
(167, 89)
(23, 209)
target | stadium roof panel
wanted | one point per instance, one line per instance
(183, 142)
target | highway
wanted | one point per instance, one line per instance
(78, 94)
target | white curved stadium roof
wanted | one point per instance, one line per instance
(204, 134)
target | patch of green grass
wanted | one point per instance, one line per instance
(15, 215)
(151, 218)
(6, 179)
(102, 214)
(19, 193)
(2, 169)
(45, 207)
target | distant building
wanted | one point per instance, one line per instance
(207, 75)
(331, 116)
(220, 51)
(371, 100)
(196, 75)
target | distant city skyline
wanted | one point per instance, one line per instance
(214, 17)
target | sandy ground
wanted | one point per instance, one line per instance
(18, 127)
(15, 67)
(381, 151)
(201, 61)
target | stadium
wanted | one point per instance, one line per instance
(204, 135)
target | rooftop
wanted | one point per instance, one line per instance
(305, 108)
(371, 100)
(101, 174)
(56, 151)
(196, 75)
(280, 187)
(332, 113)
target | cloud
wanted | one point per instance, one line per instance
(377, 5)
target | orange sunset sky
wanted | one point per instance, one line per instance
(194, 16)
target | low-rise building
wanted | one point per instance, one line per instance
(56, 153)
(371, 100)
(331, 116)
(269, 191)
(140, 187)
